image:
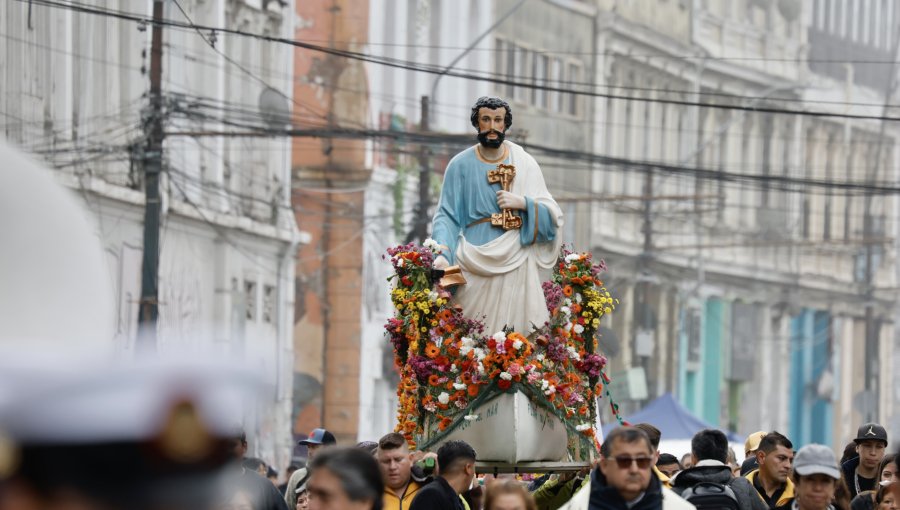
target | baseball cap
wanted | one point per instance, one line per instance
(869, 432)
(752, 443)
(319, 436)
(816, 459)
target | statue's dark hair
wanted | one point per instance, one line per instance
(491, 103)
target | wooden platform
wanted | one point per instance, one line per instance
(494, 468)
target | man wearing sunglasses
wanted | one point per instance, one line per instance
(623, 479)
(709, 450)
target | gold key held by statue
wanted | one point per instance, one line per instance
(506, 219)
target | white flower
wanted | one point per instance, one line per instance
(432, 295)
(480, 354)
(443, 398)
(471, 417)
(464, 350)
(480, 369)
(454, 370)
(582, 427)
(550, 390)
(573, 353)
(565, 310)
(544, 384)
(567, 302)
(578, 297)
(468, 342)
(572, 257)
(499, 336)
(540, 357)
(579, 329)
(505, 376)
(459, 386)
(401, 262)
(432, 245)
(517, 345)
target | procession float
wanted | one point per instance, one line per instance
(516, 396)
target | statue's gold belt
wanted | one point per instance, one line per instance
(506, 220)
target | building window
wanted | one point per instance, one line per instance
(556, 75)
(572, 102)
(268, 312)
(541, 65)
(510, 69)
(250, 299)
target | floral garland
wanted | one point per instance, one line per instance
(447, 363)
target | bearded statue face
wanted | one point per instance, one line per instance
(492, 117)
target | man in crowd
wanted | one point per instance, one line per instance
(751, 445)
(456, 474)
(709, 451)
(402, 480)
(318, 439)
(861, 472)
(816, 476)
(668, 465)
(775, 455)
(344, 478)
(247, 479)
(655, 436)
(623, 479)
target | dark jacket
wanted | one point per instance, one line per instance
(749, 465)
(748, 498)
(604, 497)
(437, 495)
(849, 469)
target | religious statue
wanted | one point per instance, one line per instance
(498, 223)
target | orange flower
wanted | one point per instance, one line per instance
(432, 351)
(445, 422)
(433, 379)
(473, 390)
(577, 281)
(567, 290)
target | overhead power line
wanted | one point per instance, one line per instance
(438, 70)
(566, 154)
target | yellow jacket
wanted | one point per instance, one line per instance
(786, 496)
(392, 502)
(667, 483)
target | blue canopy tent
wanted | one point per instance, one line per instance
(672, 419)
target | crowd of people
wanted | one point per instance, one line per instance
(630, 474)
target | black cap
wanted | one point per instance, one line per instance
(319, 436)
(871, 432)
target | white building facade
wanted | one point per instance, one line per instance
(75, 89)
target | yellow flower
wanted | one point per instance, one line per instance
(607, 310)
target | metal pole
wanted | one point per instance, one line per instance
(149, 304)
(420, 229)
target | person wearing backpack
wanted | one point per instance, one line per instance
(623, 479)
(709, 483)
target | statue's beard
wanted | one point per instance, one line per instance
(491, 143)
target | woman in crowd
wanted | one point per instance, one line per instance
(508, 494)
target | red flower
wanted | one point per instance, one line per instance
(503, 384)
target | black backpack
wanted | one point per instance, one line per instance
(711, 496)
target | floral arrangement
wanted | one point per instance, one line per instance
(448, 364)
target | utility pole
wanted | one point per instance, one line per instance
(149, 303)
(420, 227)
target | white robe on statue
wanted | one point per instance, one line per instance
(504, 276)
